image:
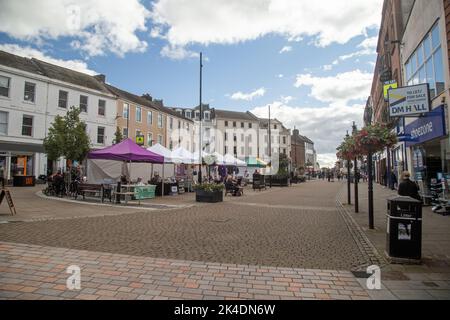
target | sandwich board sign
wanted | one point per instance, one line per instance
(4, 193)
(409, 101)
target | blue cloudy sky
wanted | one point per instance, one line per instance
(312, 61)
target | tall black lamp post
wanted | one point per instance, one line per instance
(355, 170)
(349, 201)
(200, 127)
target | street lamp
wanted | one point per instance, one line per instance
(348, 178)
(200, 127)
(355, 170)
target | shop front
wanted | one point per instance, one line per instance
(429, 149)
(20, 163)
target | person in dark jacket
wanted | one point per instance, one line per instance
(408, 187)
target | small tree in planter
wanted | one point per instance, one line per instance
(209, 192)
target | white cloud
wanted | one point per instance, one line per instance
(327, 67)
(234, 21)
(177, 53)
(338, 89)
(95, 27)
(285, 49)
(286, 99)
(368, 47)
(248, 96)
(325, 126)
(29, 52)
(280, 75)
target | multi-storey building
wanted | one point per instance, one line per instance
(138, 116)
(280, 138)
(32, 93)
(180, 130)
(303, 155)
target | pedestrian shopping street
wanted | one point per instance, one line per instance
(298, 242)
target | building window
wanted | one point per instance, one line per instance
(197, 114)
(226, 123)
(4, 86)
(250, 138)
(27, 126)
(234, 124)
(62, 99)
(101, 107)
(138, 114)
(234, 137)
(29, 92)
(125, 132)
(425, 65)
(235, 151)
(225, 137)
(225, 150)
(242, 124)
(171, 123)
(160, 120)
(100, 135)
(242, 151)
(206, 115)
(160, 139)
(249, 125)
(284, 150)
(188, 114)
(149, 139)
(242, 137)
(126, 110)
(3, 123)
(284, 139)
(83, 103)
(179, 124)
(275, 126)
(149, 118)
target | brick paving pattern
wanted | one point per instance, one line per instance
(288, 227)
(37, 272)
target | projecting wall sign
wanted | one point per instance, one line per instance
(409, 101)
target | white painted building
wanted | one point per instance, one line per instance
(32, 93)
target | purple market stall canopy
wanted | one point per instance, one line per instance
(128, 151)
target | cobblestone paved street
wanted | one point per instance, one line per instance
(286, 227)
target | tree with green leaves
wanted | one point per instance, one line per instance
(67, 137)
(118, 137)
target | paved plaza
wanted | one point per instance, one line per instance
(298, 242)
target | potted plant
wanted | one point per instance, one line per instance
(209, 192)
(374, 138)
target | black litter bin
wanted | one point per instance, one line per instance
(404, 228)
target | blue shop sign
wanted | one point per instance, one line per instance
(425, 128)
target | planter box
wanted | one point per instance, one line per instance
(204, 196)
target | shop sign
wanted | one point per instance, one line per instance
(426, 128)
(409, 101)
(388, 85)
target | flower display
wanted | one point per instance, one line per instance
(374, 138)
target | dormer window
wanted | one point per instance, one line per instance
(188, 114)
(206, 115)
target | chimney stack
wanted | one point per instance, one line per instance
(147, 96)
(100, 77)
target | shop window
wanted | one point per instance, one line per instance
(62, 99)
(29, 92)
(83, 103)
(100, 135)
(27, 125)
(21, 165)
(3, 123)
(101, 107)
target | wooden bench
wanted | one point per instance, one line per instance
(88, 188)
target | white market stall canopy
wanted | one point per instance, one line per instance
(228, 159)
(181, 155)
(163, 151)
